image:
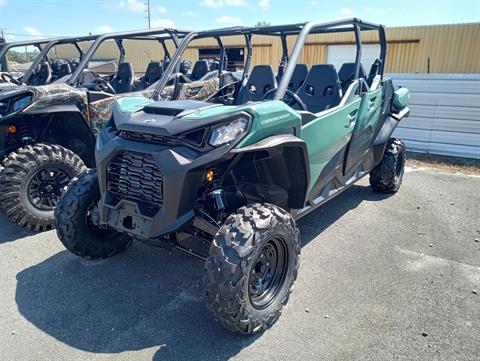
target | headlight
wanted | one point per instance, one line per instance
(21, 103)
(228, 132)
(14, 103)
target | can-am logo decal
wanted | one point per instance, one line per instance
(274, 119)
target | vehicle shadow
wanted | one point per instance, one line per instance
(320, 219)
(10, 232)
(146, 297)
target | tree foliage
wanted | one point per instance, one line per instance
(21, 56)
(262, 23)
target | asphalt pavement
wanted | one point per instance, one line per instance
(381, 278)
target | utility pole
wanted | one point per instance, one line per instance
(148, 12)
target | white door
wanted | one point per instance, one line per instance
(339, 54)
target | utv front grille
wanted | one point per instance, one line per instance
(144, 137)
(193, 138)
(135, 177)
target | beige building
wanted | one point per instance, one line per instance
(413, 49)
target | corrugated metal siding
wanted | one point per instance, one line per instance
(445, 114)
(435, 49)
(422, 49)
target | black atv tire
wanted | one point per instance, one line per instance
(24, 196)
(239, 254)
(72, 221)
(387, 176)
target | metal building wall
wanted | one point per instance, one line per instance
(445, 114)
(412, 49)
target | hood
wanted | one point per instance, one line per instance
(8, 90)
(165, 118)
(7, 86)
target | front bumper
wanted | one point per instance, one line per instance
(182, 181)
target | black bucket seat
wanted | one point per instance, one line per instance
(41, 77)
(346, 74)
(123, 81)
(199, 70)
(260, 81)
(298, 77)
(321, 89)
(153, 73)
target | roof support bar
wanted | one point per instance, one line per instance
(358, 53)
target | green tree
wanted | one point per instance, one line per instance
(262, 23)
(21, 56)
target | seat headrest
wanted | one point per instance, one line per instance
(125, 71)
(123, 81)
(298, 77)
(42, 75)
(64, 69)
(185, 66)
(261, 80)
(347, 72)
(321, 89)
(154, 71)
(319, 78)
(200, 69)
(44, 70)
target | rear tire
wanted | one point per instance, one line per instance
(387, 176)
(252, 267)
(32, 182)
(73, 221)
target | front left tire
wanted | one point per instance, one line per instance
(251, 268)
(77, 221)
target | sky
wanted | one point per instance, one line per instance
(28, 19)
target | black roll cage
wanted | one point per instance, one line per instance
(5, 47)
(334, 26)
(43, 53)
(217, 34)
(288, 61)
(161, 35)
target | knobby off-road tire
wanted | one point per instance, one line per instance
(32, 181)
(238, 258)
(387, 176)
(73, 221)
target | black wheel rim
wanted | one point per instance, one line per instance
(46, 187)
(268, 273)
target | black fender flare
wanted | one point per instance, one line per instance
(383, 136)
(282, 161)
(65, 125)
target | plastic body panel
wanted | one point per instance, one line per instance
(326, 135)
(401, 98)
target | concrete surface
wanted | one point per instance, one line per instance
(377, 272)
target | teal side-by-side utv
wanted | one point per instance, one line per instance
(239, 169)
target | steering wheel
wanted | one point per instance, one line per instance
(290, 100)
(7, 78)
(224, 92)
(103, 85)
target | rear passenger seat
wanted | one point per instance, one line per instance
(346, 74)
